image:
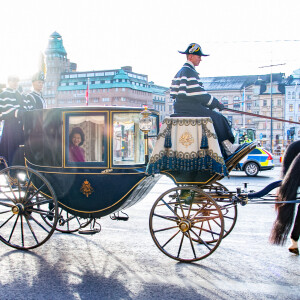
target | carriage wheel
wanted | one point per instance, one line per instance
(228, 207)
(67, 222)
(182, 220)
(26, 199)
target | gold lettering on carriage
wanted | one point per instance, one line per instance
(186, 139)
(86, 188)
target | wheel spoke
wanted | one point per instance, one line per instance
(5, 212)
(170, 239)
(201, 240)
(40, 202)
(38, 223)
(12, 200)
(170, 208)
(22, 231)
(35, 193)
(6, 204)
(41, 212)
(192, 245)
(13, 229)
(164, 229)
(169, 218)
(30, 227)
(28, 186)
(206, 230)
(180, 245)
(7, 220)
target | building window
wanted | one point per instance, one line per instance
(123, 89)
(236, 101)
(107, 81)
(264, 102)
(224, 100)
(105, 99)
(298, 107)
(291, 107)
(279, 102)
(95, 100)
(289, 95)
(70, 101)
(293, 95)
(117, 89)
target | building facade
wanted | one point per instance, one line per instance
(65, 86)
(292, 107)
(252, 94)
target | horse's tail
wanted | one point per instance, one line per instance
(286, 211)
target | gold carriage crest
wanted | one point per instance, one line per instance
(86, 188)
(186, 139)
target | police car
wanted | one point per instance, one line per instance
(257, 160)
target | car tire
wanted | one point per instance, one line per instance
(251, 169)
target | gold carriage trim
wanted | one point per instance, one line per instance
(186, 139)
(86, 188)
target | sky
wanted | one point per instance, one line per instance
(240, 36)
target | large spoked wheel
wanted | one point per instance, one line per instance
(229, 208)
(26, 199)
(183, 223)
(67, 222)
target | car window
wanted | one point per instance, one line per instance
(255, 151)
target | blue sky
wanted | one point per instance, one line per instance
(240, 36)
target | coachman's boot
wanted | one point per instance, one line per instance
(229, 147)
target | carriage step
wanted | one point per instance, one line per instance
(89, 231)
(121, 218)
(117, 217)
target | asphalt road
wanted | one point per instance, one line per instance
(122, 262)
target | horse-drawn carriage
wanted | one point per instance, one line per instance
(54, 191)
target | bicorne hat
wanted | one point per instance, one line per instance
(38, 76)
(195, 49)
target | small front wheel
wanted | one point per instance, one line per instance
(186, 224)
(251, 169)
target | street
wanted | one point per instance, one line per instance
(122, 261)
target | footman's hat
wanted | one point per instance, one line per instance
(38, 76)
(195, 49)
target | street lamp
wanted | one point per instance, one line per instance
(271, 104)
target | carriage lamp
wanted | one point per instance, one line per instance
(145, 122)
(145, 125)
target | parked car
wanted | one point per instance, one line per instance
(257, 160)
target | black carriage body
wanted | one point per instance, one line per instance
(113, 150)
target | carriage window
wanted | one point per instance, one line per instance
(86, 139)
(128, 139)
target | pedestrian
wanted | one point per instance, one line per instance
(191, 100)
(289, 190)
(35, 99)
(11, 111)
